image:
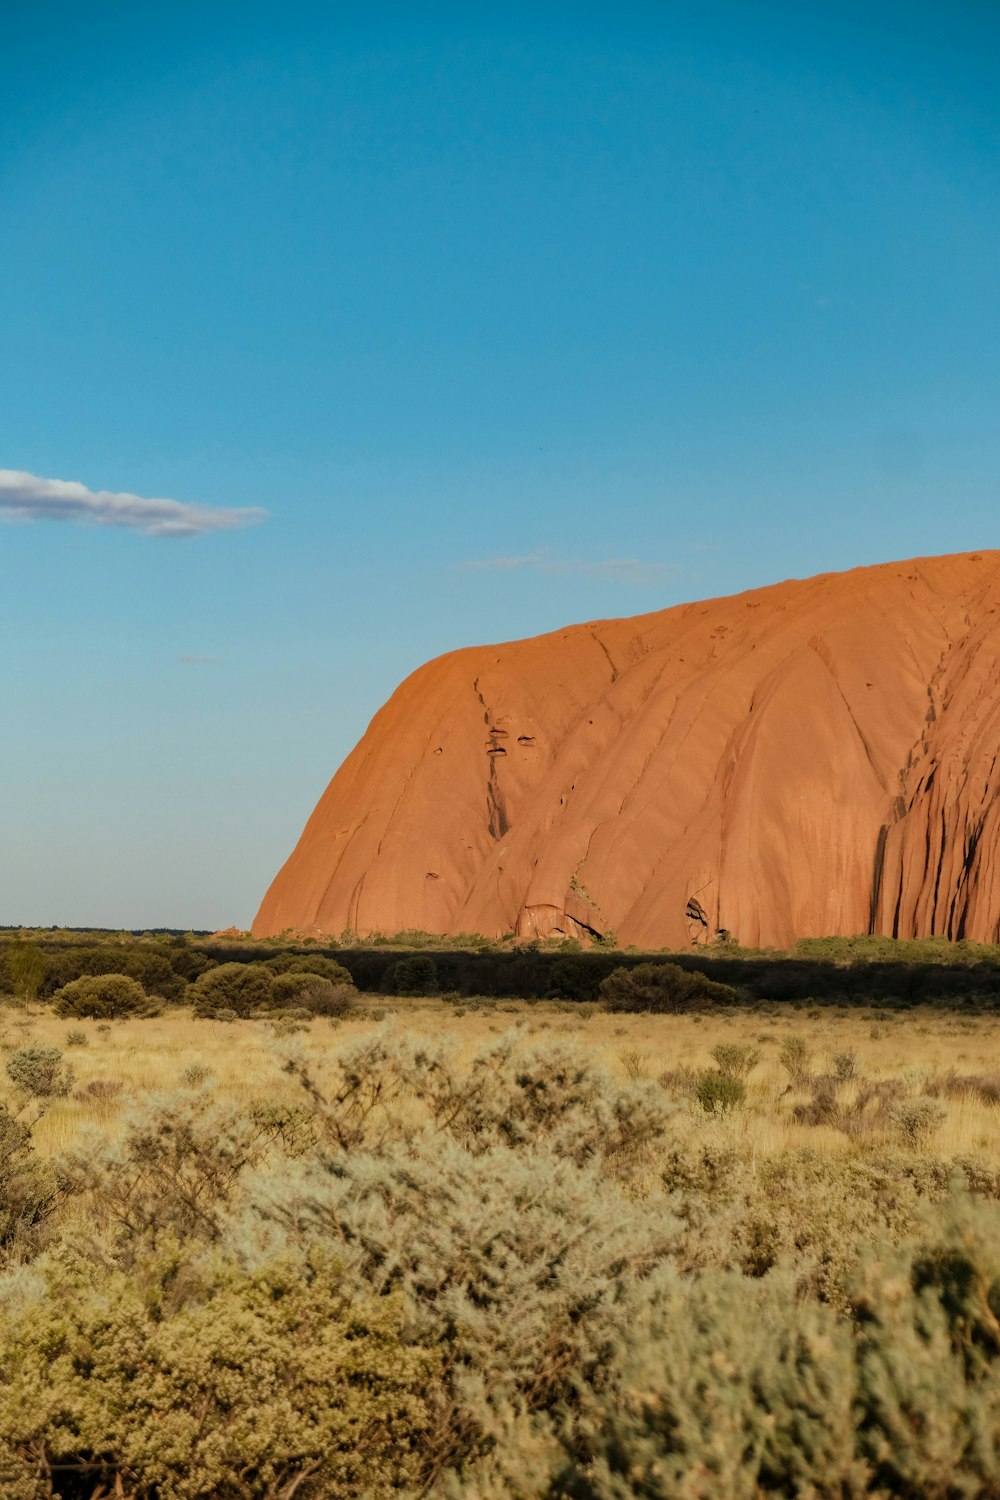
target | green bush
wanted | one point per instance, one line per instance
(719, 1092)
(148, 964)
(229, 1384)
(26, 967)
(663, 988)
(736, 1059)
(510, 1276)
(39, 1072)
(314, 994)
(310, 963)
(240, 988)
(917, 1120)
(415, 976)
(103, 997)
(728, 1387)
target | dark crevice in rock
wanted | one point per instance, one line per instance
(878, 867)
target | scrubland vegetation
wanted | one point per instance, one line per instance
(650, 1232)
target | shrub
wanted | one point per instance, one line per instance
(103, 997)
(262, 1384)
(917, 1120)
(146, 963)
(311, 963)
(720, 1092)
(635, 1064)
(39, 1072)
(172, 1176)
(845, 1065)
(663, 988)
(240, 988)
(794, 1056)
(727, 1387)
(500, 1221)
(417, 975)
(736, 1059)
(26, 965)
(27, 1186)
(195, 1074)
(76, 1038)
(316, 995)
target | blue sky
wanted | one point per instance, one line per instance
(507, 316)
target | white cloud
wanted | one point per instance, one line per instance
(27, 497)
(628, 570)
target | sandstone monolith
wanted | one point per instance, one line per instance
(815, 758)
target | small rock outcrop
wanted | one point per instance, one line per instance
(815, 758)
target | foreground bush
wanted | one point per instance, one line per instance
(663, 987)
(515, 1276)
(731, 1388)
(27, 1186)
(103, 997)
(227, 1384)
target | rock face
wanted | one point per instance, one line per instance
(816, 758)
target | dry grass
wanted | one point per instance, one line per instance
(244, 1057)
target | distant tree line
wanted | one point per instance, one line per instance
(241, 976)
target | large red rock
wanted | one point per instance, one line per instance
(820, 757)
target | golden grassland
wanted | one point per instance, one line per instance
(244, 1060)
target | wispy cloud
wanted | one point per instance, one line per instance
(27, 497)
(627, 570)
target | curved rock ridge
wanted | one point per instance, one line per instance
(815, 758)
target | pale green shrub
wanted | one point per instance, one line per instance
(916, 1120)
(176, 1168)
(727, 1387)
(39, 1071)
(219, 1384)
(516, 1277)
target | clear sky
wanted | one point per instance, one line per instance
(506, 315)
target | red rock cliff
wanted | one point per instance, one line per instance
(815, 758)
